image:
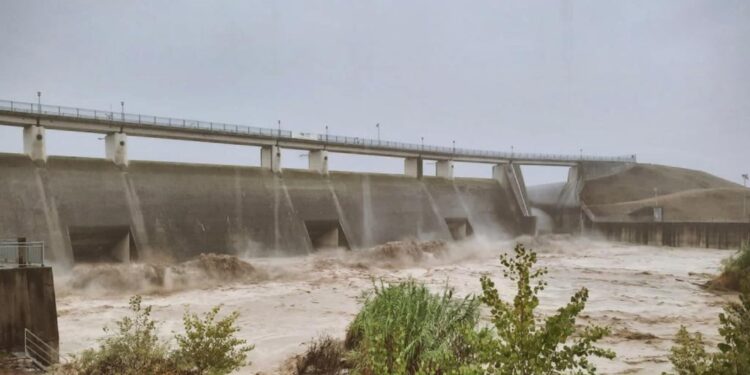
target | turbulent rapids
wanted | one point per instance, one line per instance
(643, 293)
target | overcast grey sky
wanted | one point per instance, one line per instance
(666, 80)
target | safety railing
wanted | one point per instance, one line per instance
(149, 120)
(40, 352)
(15, 253)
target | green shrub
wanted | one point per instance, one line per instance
(689, 356)
(733, 355)
(405, 329)
(518, 344)
(736, 271)
(133, 348)
(324, 356)
(210, 346)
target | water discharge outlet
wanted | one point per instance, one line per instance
(326, 234)
(99, 244)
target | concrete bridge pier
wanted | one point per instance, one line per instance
(116, 148)
(270, 158)
(34, 143)
(318, 161)
(444, 168)
(413, 167)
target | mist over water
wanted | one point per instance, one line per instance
(643, 293)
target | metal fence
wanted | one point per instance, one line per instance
(21, 254)
(219, 127)
(39, 351)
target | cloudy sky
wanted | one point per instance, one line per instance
(667, 80)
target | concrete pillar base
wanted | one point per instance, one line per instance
(413, 167)
(318, 161)
(444, 168)
(270, 158)
(34, 143)
(116, 148)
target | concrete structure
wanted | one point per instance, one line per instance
(270, 158)
(91, 210)
(34, 139)
(318, 161)
(413, 167)
(683, 234)
(28, 299)
(30, 115)
(116, 148)
(444, 168)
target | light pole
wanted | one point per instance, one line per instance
(326, 134)
(122, 110)
(422, 138)
(378, 126)
(39, 101)
(580, 150)
(744, 196)
(454, 147)
(278, 134)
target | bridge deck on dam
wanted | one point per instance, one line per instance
(99, 121)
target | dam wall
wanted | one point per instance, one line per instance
(89, 209)
(718, 235)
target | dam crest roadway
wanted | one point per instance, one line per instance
(35, 118)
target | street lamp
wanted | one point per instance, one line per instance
(122, 110)
(422, 138)
(39, 101)
(744, 196)
(326, 134)
(378, 126)
(454, 147)
(278, 123)
(580, 150)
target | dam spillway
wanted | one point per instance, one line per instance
(93, 210)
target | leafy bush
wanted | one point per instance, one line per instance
(405, 329)
(209, 346)
(733, 356)
(324, 356)
(736, 273)
(521, 346)
(132, 348)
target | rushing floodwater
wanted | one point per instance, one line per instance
(643, 293)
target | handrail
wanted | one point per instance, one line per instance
(278, 134)
(41, 354)
(20, 253)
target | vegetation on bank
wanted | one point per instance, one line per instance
(404, 328)
(735, 274)
(208, 346)
(732, 356)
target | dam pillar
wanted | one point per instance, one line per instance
(444, 168)
(270, 158)
(318, 161)
(34, 143)
(116, 148)
(413, 167)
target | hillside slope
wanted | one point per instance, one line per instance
(638, 183)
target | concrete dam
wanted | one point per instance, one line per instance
(92, 210)
(115, 209)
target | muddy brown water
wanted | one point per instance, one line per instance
(643, 293)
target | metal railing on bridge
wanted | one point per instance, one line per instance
(219, 127)
(14, 253)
